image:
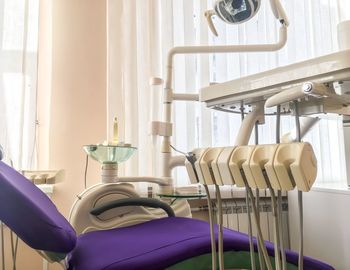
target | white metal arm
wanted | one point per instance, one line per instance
(248, 123)
(168, 91)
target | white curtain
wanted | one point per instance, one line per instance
(151, 27)
(18, 80)
(134, 56)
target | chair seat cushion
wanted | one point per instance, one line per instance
(158, 244)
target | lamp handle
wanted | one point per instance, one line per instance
(209, 14)
(278, 12)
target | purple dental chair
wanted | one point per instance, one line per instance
(158, 244)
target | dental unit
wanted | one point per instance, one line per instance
(229, 11)
(206, 169)
(112, 227)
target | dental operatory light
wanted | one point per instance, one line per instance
(240, 11)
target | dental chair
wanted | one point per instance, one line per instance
(165, 243)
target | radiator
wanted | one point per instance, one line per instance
(235, 215)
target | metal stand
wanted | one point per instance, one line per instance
(279, 195)
(212, 232)
(250, 233)
(276, 227)
(220, 229)
(250, 229)
(300, 197)
(257, 194)
(259, 239)
(280, 222)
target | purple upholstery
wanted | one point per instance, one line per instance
(32, 215)
(159, 244)
(156, 244)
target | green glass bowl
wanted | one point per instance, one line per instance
(109, 154)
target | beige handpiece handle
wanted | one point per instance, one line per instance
(262, 156)
(223, 166)
(295, 164)
(304, 168)
(240, 155)
(284, 156)
(198, 152)
(198, 167)
(269, 167)
(208, 14)
(215, 168)
(205, 164)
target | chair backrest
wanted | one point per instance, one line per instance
(27, 211)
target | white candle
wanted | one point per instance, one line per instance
(115, 131)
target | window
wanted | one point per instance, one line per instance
(196, 126)
(18, 80)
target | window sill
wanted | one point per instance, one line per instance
(332, 188)
(46, 188)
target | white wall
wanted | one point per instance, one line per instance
(326, 226)
(78, 93)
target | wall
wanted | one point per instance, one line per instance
(78, 92)
(71, 99)
(326, 226)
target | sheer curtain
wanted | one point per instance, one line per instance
(18, 80)
(134, 56)
(152, 27)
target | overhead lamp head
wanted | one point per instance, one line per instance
(240, 11)
(236, 11)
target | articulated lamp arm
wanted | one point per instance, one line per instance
(168, 91)
(168, 95)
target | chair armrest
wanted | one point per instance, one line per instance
(148, 202)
